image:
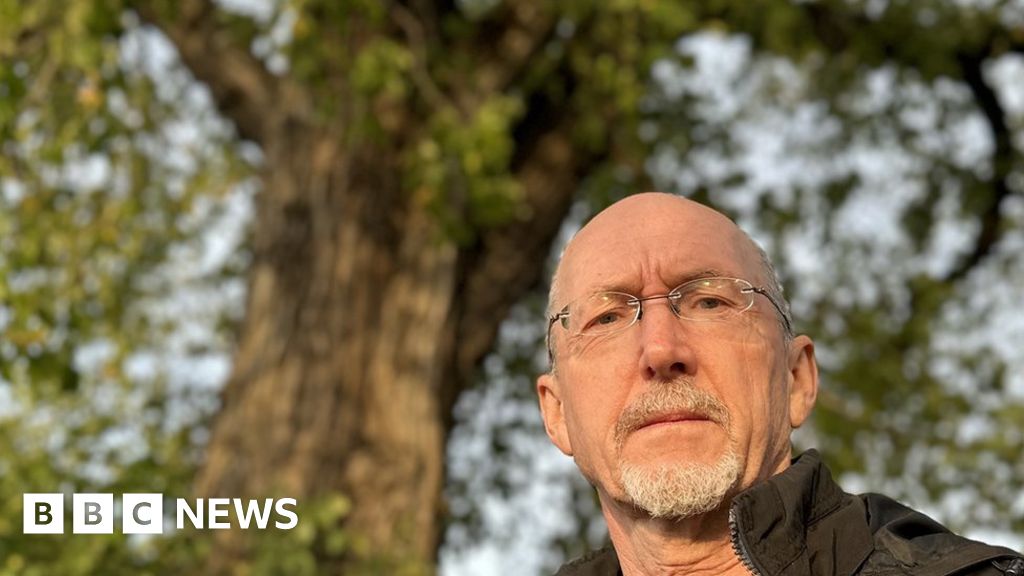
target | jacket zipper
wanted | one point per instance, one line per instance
(740, 549)
(1014, 568)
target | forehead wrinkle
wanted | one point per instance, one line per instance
(671, 280)
(642, 271)
(628, 224)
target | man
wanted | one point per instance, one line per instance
(676, 380)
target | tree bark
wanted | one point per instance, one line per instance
(331, 385)
(364, 322)
(360, 333)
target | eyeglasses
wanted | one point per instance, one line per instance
(700, 300)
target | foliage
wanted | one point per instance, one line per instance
(868, 155)
(461, 170)
(900, 268)
(115, 167)
(318, 542)
(107, 186)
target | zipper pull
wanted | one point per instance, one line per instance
(1015, 567)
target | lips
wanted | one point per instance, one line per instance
(670, 417)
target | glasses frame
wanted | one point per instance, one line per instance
(563, 314)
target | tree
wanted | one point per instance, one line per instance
(397, 222)
(397, 225)
(918, 343)
(862, 148)
(415, 162)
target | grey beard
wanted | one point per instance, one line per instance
(681, 490)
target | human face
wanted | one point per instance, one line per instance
(756, 384)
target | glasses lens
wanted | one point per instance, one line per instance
(712, 298)
(603, 313)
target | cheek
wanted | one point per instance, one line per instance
(598, 395)
(752, 378)
(592, 349)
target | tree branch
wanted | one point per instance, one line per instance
(837, 28)
(242, 88)
(431, 13)
(416, 34)
(1003, 157)
(509, 260)
(506, 43)
(530, 28)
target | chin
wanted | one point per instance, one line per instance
(682, 489)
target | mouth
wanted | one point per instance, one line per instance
(673, 418)
(682, 408)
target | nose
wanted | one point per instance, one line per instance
(666, 351)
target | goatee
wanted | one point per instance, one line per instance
(683, 489)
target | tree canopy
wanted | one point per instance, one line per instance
(300, 246)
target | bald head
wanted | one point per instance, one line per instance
(630, 343)
(628, 234)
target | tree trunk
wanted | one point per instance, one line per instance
(364, 322)
(348, 325)
(359, 334)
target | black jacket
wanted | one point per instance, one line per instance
(800, 523)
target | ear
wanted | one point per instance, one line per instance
(553, 412)
(803, 380)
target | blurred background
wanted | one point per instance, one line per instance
(265, 248)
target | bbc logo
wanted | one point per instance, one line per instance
(144, 513)
(93, 513)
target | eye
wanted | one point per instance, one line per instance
(709, 303)
(607, 319)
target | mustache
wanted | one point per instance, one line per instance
(677, 396)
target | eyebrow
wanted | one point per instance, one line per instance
(677, 279)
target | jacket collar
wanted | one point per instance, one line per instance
(800, 522)
(796, 523)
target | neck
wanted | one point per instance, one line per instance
(700, 545)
